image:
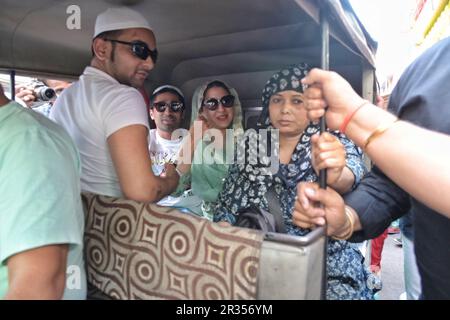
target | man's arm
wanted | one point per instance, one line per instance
(129, 152)
(378, 201)
(398, 148)
(37, 273)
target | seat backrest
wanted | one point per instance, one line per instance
(138, 250)
(143, 251)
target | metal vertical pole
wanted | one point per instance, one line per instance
(325, 65)
(12, 81)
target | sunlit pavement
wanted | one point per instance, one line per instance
(392, 270)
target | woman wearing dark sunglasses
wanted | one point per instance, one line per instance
(215, 108)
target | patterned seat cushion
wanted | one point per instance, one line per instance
(138, 250)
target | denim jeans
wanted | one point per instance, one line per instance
(412, 277)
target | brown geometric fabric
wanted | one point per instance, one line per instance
(137, 250)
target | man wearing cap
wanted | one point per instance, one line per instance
(167, 106)
(166, 110)
(106, 115)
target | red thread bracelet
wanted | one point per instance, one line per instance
(349, 117)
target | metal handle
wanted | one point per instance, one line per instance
(325, 65)
(12, 81)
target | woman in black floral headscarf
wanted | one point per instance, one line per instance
(247, 183)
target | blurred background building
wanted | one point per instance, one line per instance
(428, 21)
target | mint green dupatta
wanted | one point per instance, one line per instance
(207, 179)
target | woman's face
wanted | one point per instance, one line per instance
(222, 117)
(287, 112)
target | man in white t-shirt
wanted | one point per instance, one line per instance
(167, 106)
(167, 111)
(106, 115)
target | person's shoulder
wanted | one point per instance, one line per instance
(26, 121)
(443, 45)
(104, 82)
(119, 97)
(431, 60)
(117, 89)
(107, 86)
(21, 118)
(424, 78)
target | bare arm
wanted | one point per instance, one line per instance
(414, 158)
(129, 152)
(38, 273)
(344, 182)
(418, 163)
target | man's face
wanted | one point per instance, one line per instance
(166, 121)
(123, 65)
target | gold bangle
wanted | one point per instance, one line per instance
(351, 219)
(378, 132)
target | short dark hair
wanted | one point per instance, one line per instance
(106, 35)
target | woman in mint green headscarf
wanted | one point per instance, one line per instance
(210, 149)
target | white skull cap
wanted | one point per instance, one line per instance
(118, 19)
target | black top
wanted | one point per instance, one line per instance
(422, 96)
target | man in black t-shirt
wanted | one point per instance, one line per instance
(421, 97)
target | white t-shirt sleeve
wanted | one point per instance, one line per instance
(126, 107)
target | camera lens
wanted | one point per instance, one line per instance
(45, 93)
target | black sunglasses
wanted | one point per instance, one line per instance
(139, 49)
(175, 106)
(213, 103)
